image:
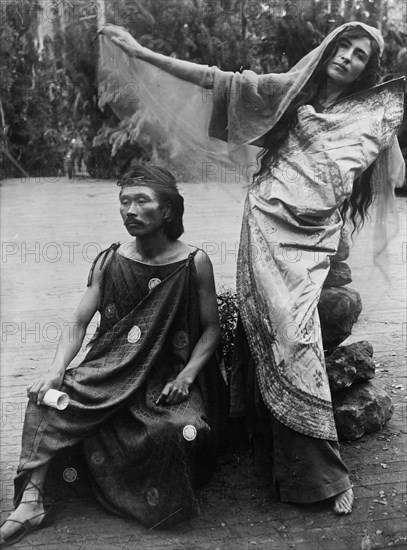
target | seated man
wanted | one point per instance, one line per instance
(142, 403)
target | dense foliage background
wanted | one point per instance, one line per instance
(49, 113)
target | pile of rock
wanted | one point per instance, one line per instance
(360, 405)
(339, 306)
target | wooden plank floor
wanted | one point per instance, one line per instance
(50, 232)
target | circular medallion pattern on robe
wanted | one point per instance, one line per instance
(189, 432)
(134, 335)
(153, 282)
(97, 458)
(153, 496)
(180, 340)
(70, 475)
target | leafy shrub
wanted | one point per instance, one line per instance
(228, 311)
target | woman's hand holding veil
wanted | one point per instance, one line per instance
(123, 39)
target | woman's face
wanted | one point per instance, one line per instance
(349, 61)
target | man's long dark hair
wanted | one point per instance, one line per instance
(165, 187)
(356, 206)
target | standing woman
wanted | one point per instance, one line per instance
(327, 138)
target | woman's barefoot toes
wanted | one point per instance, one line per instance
(343, 502)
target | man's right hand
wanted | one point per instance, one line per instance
(39, 387)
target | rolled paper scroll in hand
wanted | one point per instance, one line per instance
(56, 399)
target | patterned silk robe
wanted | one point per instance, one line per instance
(144, 459)
(291, 226)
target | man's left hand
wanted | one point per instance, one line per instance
(174, 392)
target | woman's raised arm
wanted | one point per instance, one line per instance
(192, 72)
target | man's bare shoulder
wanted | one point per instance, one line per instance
(99, 265)
(203, 265)
(200, 256)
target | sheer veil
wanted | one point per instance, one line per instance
(173, 113)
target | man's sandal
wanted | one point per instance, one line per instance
(26, 527)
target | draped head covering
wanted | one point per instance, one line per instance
(254, 103)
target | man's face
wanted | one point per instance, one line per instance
(349, 61)
(141, 211)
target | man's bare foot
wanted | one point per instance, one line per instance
(31, 511)
(343, 502)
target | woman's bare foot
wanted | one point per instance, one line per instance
(32, 511)
(343, 502)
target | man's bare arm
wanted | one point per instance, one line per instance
(177, 391)
(70, 342)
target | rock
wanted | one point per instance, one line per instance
(349, 364)
(338, 275)
(363, 408)
(339, 308)
(343, 248)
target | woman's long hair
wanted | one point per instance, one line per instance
(355, 208)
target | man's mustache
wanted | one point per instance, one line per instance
(132, 221)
